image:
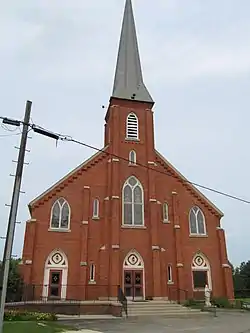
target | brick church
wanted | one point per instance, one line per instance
(125, 216)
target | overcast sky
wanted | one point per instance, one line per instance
(61, 54)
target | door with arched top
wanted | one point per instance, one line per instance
(133, 276)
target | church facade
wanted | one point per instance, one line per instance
(125, 217)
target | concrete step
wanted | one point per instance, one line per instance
(161, 308)
(168, 314)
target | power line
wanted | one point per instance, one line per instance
(71, 139)
(7, 135)
(58, 136)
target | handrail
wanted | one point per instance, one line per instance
(178, 294)
(123, 300)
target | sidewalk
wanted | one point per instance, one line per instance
(86, 317)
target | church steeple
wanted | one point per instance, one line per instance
(128, 83)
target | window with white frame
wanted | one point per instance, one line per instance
(165, 212)
(92, 273)
(96, 205)
(60, 215)
(133, 202)
(132, 127)
(169, 272)
(197, 225)
(132, 157)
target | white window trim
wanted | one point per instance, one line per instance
(137, 127)
(206, 269)
(143, 221)
(52, 228)
(197, 234)
(92, 273)
(96, 214)
(165, 220)
(130, 159)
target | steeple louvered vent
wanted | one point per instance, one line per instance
(132, 127)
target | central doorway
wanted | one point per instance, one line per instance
(133, 277)
(133, 284)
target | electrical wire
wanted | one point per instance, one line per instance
(71, 139)
(6, 135)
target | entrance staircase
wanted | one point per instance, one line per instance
(160, 308)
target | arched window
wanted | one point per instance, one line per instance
(132, 157)
(96, 208)
(133, 207)
(132, 127)
(170, 274)
(197, 225)
(60, 215)
(92, 273)
(165, 212)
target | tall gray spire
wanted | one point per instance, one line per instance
(128, 83)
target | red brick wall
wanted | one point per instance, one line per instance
(105, 178)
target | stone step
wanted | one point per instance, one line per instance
(161, 308)
(167, 314)
(158, 309)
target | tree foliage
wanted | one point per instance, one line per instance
(14, 281)
(241, 279)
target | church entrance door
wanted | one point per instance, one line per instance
(133, 284)
(55, 284)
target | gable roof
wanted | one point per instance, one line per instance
(67, 176)
(199, 193)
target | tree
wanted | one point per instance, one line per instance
(241, 278)
(15, 282)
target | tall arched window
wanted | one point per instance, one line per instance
(133, 206)
(165, 212)
(60, 215)
(197, 225)
(96, 208)
(132, 130)
(132, 157)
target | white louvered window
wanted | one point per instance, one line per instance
(132, 127)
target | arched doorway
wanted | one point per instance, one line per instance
(134, 276)
(201, 273)
(55, 276)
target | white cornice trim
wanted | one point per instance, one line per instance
(192, 186)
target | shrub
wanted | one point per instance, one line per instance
(221, 302)
(15, 315)
(190, 302)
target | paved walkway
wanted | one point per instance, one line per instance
(224, 323)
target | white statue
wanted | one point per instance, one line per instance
(207, 296)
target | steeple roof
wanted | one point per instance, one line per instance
(128, 83)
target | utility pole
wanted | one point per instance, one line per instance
(13, 212)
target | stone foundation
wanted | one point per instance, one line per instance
(69, 308)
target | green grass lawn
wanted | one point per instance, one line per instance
(33, 327)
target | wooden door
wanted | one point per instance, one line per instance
(55, 284)
(133, 284)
